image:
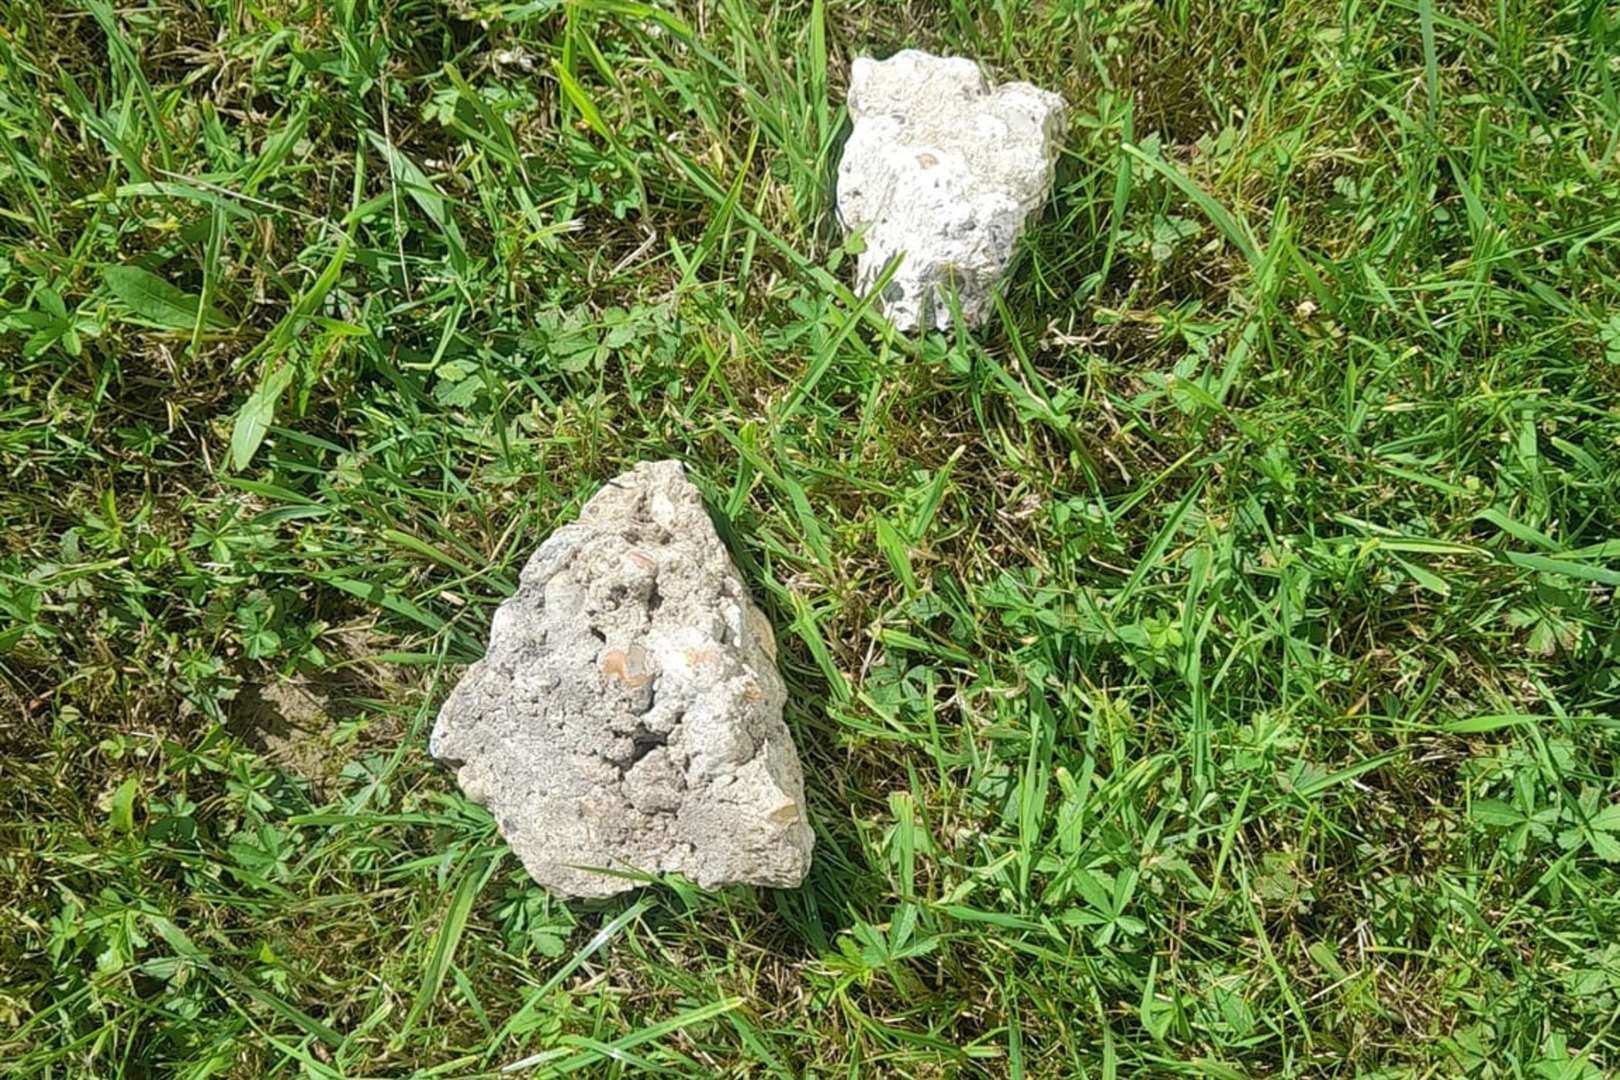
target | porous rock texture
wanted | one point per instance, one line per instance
(628, 712)
(945, 169)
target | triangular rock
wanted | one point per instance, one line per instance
(628, 713)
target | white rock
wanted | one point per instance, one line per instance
(945, 169)
(628, 713)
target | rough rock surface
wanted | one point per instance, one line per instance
(946, 169)
(628, 713)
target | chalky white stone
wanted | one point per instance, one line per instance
(628, 713)
(945, 169)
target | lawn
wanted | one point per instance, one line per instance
(1210, 666)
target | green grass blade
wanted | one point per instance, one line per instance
(442, 954)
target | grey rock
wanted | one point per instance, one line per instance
(628, 712)
(946, 169)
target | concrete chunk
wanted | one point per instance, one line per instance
(946, 169)
(628, 713)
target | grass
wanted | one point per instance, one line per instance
(1208, 668)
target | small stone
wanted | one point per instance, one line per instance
(628, 712)
(945, 169)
